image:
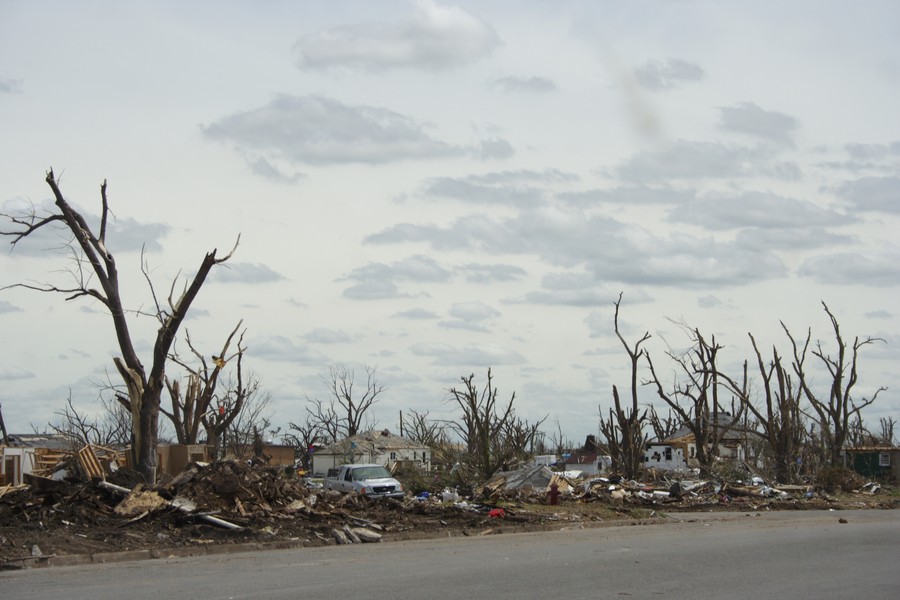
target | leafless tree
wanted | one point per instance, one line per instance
(695, 396)
(887, 430)
(91, 254)
(112, 428)
(417, 427)
(835, 409)
(623, 429)
(347, 410)
(663, 427)
(779, 417)
(303, 436)
(485, 425)
(192, 406)
(254, 417)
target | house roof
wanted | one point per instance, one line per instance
(723, 421)
(51, 441)
(371, 442)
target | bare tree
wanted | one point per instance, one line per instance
(111, 428)
(243, 430)
(780, 417)
(623, 429)
(835, 410)
(346, 411)
(490, 430)
(417, 427)
(663, 427)
(192, 406)
(887, 430)
(91, 254)
(695, 397)
(307, 434)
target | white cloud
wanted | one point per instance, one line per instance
(750, 119)
(755, 209)
(238, 272)
(880, 194)
(664, 75)
(316, 130)
(874, 269)
(482, 355)
(523, 85)
(435, 38)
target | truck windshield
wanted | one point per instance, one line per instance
(363, 473)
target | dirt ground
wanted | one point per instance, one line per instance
(73, 517)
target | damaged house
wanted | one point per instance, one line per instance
(378, 447)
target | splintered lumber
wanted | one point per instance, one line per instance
(89, 463)
(176, 505)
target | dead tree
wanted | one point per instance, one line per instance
(485, 424)
(193, 406)
(887, 430)
(835, 409)
(111, 428)
(91, 254)
(780, 417)
(306, 436)
(663, 427)
(346, 411)
(623, 429)
(695, 396)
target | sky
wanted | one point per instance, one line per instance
(432, 189)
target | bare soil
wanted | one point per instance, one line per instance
(269, 505)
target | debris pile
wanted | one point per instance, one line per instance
(91, 503)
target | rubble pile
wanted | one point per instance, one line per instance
(94, 509)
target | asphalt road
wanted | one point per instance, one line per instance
(709, 555)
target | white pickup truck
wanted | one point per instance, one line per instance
(372, 480)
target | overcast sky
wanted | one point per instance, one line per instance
(435, 188)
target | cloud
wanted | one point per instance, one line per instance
(416, 313)
(881, 194)
(633, 195)
(315, 130)
(658, 75)
(755, 209)
(373, 290)
(479, 273)
(875, 269)
(10, 86)
(8, 373)
(696, 160)
(709, 301)
(377, 280)
(471, 190)
(236, 272)
(495, 148)
(473, 311)
(435, 38)
(323, 335)
(481, 355)
(610, 250)
(6, 307)
(799, 237)
(748, 118)
(262, 167)
(523, 85)
(281, 349)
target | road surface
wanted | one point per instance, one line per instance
(710, 555)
